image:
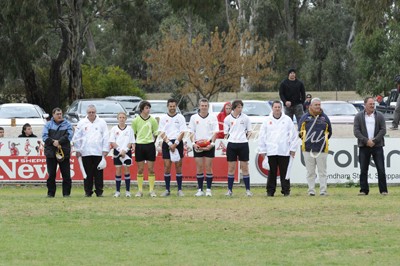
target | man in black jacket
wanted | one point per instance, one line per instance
(293, 95)
(57, 136)
(370, 129)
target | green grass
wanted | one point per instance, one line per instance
(341, 229)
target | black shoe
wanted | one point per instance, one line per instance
(362, 193)
(286, 194)
(50, 196)
(270, 194)
(66, 196)
(99, 196)
(88, 196)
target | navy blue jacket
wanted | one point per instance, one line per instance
(315, 132)
(61, 132)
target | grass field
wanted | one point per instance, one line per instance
(341, 229)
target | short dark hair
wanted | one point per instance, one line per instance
(367, 98)
(57, 109)
(171, 100)
(278, 102)
(143, 104)
(1, 128)
(236, 103)
(204, 100)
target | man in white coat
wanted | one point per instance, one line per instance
(91, 143)
(278, 141)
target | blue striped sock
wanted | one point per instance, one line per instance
(209, 180)
(231, 178)
(200, 179)
(118, 182)
(246, 180)
(128, 182)
(179, 180)
(167, 179)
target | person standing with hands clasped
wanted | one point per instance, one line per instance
(122, 140)
(172, 128)
(57, 136)
(237, 129)
(203, 127)
(370, 129)
(315, 130)
(293, 95)
(278, 141)
(145, 128)
(91, 143)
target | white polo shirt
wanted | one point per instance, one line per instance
(203, 127)
(123, 137)
(237, 128)
(172, 126)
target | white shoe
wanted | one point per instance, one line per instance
(117, 194)
(128, 194)
(208, 193)
(180, 193)
(199, 193)
(229, 193)
(152, 194)
(166, 193)
(139, 194)
(249, 193)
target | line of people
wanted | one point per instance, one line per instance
(279, 140)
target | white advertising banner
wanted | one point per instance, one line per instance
(343, 165)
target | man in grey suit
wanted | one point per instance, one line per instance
(370, 129)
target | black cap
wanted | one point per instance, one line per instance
(291, 70)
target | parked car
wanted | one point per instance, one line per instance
(128, 102)
(359, 105)
(389, 105)
(106, 109)
(158, 108)
(339, 112)
(23, 113)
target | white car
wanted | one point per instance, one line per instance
(22, 113)
(339, 112)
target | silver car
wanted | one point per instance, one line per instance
(22, 113)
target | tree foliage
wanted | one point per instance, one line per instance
(208, 66)
(100, 82)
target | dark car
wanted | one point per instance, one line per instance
(106, 109)
(128, 102)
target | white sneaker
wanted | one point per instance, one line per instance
(166, 193)
(199, 193)
(152, 194)
(180, 193)
(139, 194)
(249, 193)
(229, 193)
(117, 194)
(208, 193)
(128, 194)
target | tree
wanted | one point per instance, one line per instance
(209, 66)
(101, 82)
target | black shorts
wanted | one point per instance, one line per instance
(237, 150)
(209, 154)
(127, 162)
(145, 152)
(165, 149)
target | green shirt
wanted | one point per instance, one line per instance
(144, 129)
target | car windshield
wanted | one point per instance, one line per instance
(128, 105)
(338, 109)
(103, 107)
(256, 108)
(159, 108)
(217, 107)
(18, 112)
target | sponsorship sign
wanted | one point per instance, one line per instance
(23, 160)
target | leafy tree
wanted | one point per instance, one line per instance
(208, 66)
(100, 82)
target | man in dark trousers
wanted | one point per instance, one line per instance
(370, 129)
(293, 95)
(57, 136)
